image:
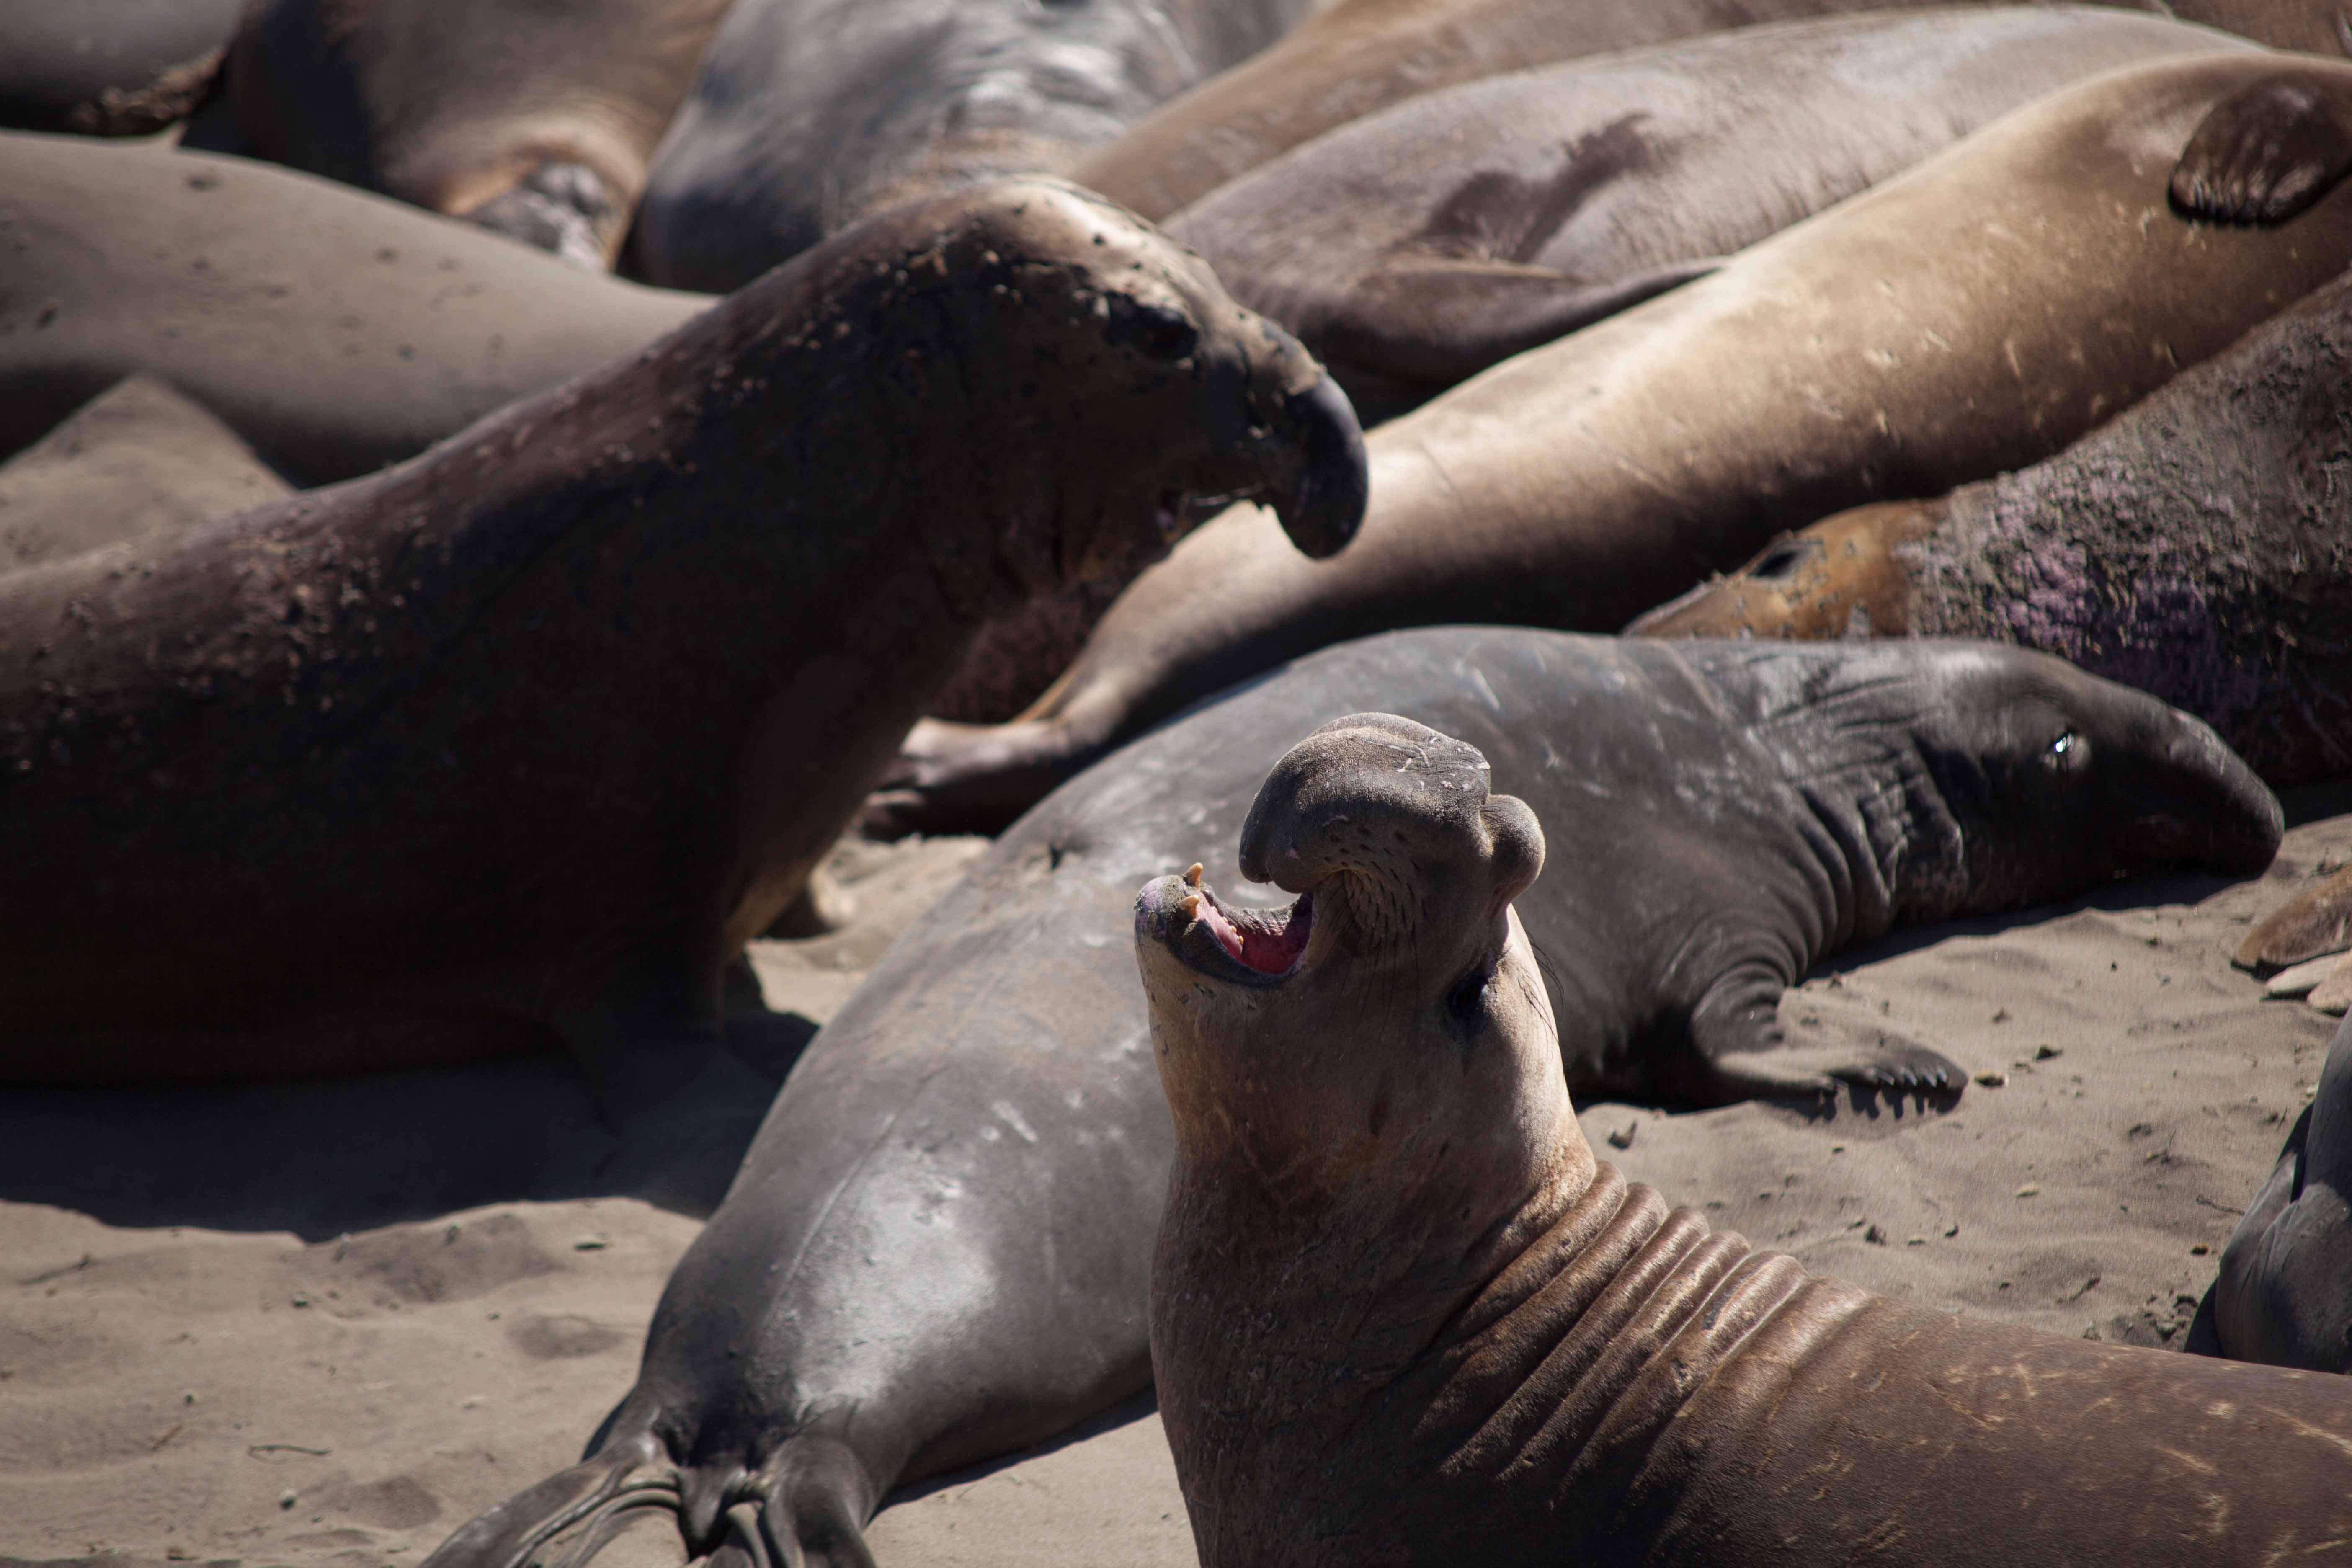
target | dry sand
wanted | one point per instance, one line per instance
(327, 1322)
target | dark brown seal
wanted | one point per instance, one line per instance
(2194, 548)
(522, 739)
(534, 119)
(1969, 317)
(1400, 1314)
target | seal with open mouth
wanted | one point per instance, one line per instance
(1399, 1313)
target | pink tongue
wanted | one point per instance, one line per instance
(1268, 954)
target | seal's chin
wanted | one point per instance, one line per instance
(1254, 947)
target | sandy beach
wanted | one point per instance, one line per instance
(327, 1322)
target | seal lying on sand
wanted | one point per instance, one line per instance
(110, 68)
(2283, 1295)
(2194, 548)
(1361, 55)
(810, 113)
(1903, 343)
(532, 732)
(537, 120)
(1413, 248)
(1401, 1315)
(962, 1173)
(334, 330)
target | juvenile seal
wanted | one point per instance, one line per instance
(1412, 249)
(536, 120)
(334, 330)
(961, 1176)
(1900, 343)
(1361, 55)
(1400, 1314)
(2194, 548)
(2284, 1292)
(520, 741)
(810, 113)
(110, 68)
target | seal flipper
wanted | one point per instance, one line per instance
(1741, 1052)
(578, 1511)
(2265, 152)
(1434, 321)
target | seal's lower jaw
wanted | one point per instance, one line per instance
(1243, 947)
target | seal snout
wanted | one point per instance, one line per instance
(1319, 482)
(1249, 946)
(2201, 805)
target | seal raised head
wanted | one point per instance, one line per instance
(1400, 1314)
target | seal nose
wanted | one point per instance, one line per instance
(1317, 473)
(2204, 806)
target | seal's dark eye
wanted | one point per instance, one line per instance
(1467, 1001)
(1152, 330)
(1783, 559)
(2068, 752)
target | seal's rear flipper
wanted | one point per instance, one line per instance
(1434, 321)
(2266, 152)
(628, 1492)
(1743, 1053)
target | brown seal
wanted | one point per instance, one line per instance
(1400, 1314)
(521, 740)
(534, 119)
(2194, 547)
(1361, 55)
(1971, 316)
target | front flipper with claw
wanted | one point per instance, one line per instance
(1742, 1053)
(571, 1517)
(2267, 152)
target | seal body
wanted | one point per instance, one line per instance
(1401, 1315)
(810, 113)
(333, 331)
(530, 118)
(110, 68)
(1361, 55)
(527, 736)
(1901, 342)
(962, 1176)
(1412, 249)
(2199, 547)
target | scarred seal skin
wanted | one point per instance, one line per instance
(1359, 56)
(2199, 547)
(937, 1249)
(1903, 343)
(534, 120)
(336, 332)
(527, 736)
(809, 113)
(1411, 250)
(1401, 1315)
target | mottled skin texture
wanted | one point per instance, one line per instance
(938, 1248)
(335, 331)
(109, 68)
(531, 733)
(2199, 547)
(2283, 1293)
(1411, 250)
(1361, 55)
(808, 113)
(1401, 1315)
(536, 118)
(1972, 316)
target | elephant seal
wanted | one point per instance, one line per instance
(139, 459)
(1411, 250)
(334, 330)
(1400, 1314)
(521, 740)
(2192, 548)
(110, 68)
(534, 120)
(963, 1172)
(1361, 55)
(809, 112)
(1904, 342)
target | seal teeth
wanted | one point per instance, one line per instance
(1192, 876)
(1190, 906)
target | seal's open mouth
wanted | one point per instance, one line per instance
(1267, 942)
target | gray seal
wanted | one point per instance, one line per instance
(110, 68)
(938, 1248)
(1399, 1313)
(519, 742)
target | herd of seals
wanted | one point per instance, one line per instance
(490, 493)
